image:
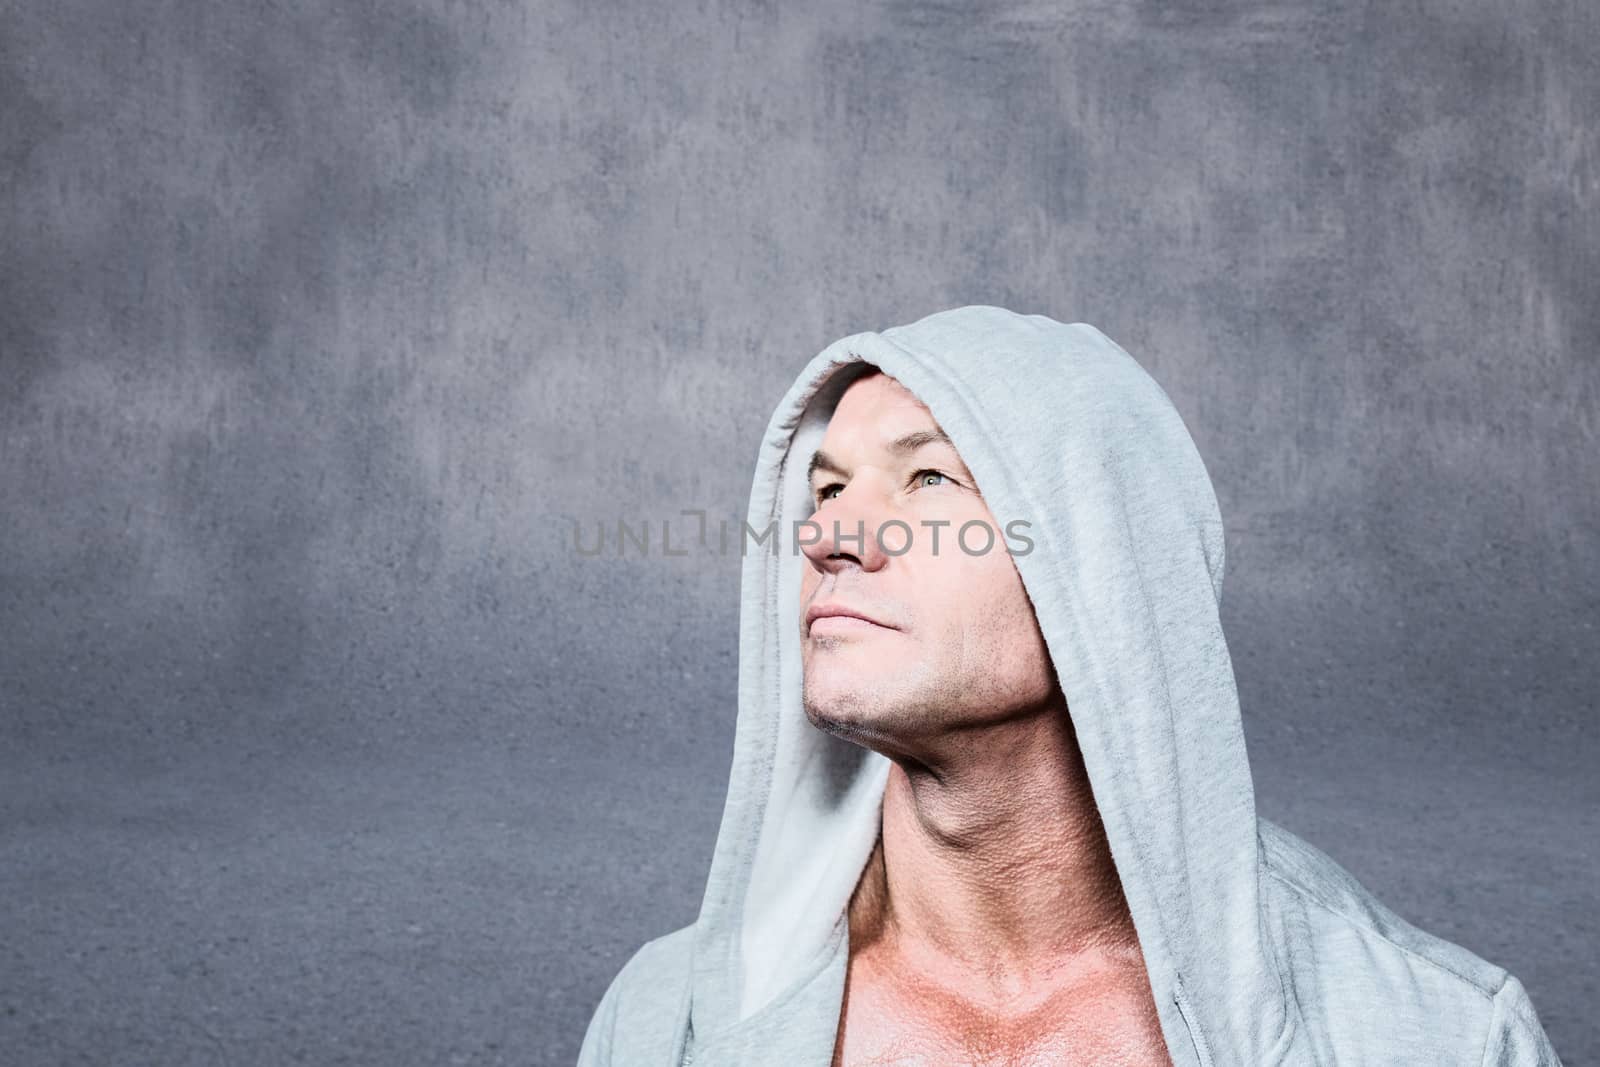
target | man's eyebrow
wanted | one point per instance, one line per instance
(913, 441)
(900, 446)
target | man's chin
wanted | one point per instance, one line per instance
(847, 727)
(848, 710)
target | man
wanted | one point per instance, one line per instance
(989, 801)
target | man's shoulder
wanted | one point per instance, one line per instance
(639, 1015)
(1361, 973)
(1331, 899)
(661, 959)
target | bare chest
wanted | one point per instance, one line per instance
(1107, 1022)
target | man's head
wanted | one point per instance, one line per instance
(956, 644)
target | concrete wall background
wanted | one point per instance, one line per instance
(320, 321)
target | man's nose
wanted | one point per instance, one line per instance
(844, 533)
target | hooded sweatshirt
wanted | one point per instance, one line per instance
(1259, 948)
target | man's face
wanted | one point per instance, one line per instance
(953, 642)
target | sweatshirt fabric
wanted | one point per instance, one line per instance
(1260, 949)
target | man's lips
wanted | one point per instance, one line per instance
(840, 617)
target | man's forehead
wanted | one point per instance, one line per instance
(884, 417)
(877, 409)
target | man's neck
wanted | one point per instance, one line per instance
(992, 872)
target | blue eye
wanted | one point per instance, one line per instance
(918, 477)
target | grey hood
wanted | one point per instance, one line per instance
(1063, 429)
(1260, 949)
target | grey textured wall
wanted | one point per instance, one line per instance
(320, 321)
